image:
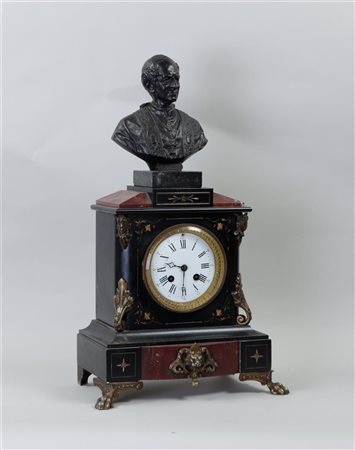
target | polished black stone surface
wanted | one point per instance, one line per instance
(105, 334)
(177, 197)
(167, 179)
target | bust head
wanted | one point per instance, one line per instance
(160, 77)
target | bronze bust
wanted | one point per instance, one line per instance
(158, 133)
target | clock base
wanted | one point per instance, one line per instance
(122, 360)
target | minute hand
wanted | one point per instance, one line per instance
(183, 288)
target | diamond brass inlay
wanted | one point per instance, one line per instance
(123, 365)
(257, 356)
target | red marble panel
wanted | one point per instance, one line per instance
(222, 200)
(126, 199)
(135, 199)
(157, 359)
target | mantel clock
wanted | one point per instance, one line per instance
(169, 296)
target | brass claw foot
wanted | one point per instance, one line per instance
(265, 378)
(278, 389)
(110, 391)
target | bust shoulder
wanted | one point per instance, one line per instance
(195, 137)
(130, 130)
(131, 123)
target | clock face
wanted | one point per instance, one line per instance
(184, 268)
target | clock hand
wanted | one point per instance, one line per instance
(184, 269)
(183, 289)
(171, 265)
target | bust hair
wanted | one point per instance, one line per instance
(150, 70)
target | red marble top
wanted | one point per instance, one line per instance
(135, 199)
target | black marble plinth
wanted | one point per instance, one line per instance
(167, 179)
(168, 197)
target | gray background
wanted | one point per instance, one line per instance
(272, 85)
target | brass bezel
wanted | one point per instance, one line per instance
(218, 279)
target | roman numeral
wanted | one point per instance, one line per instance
(172, 247)
(193, 246)
(183, 290)
(195, 287)
(161, 269)
(161, 256)
(172, 289)
(201, 254)
(183, 243)
(202, 278)
(205, 265)
(164, 280)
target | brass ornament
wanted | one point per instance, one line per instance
(256, 356)
(222, 313)
(183, 198)
(265, 378)
(216, 284)
(143, 226)
(123, 365)
(147, 316)
(194, 362)
(240, 226)
(225, 227)
(123, 230)
(143, 316)
(220, 224)
(123, 303)
(110, 391)
(240, 302)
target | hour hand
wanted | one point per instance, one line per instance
(171, 265)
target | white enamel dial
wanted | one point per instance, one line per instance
(184, 268)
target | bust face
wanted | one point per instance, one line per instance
(167, 84)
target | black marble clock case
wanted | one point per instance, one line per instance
(122, 258)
